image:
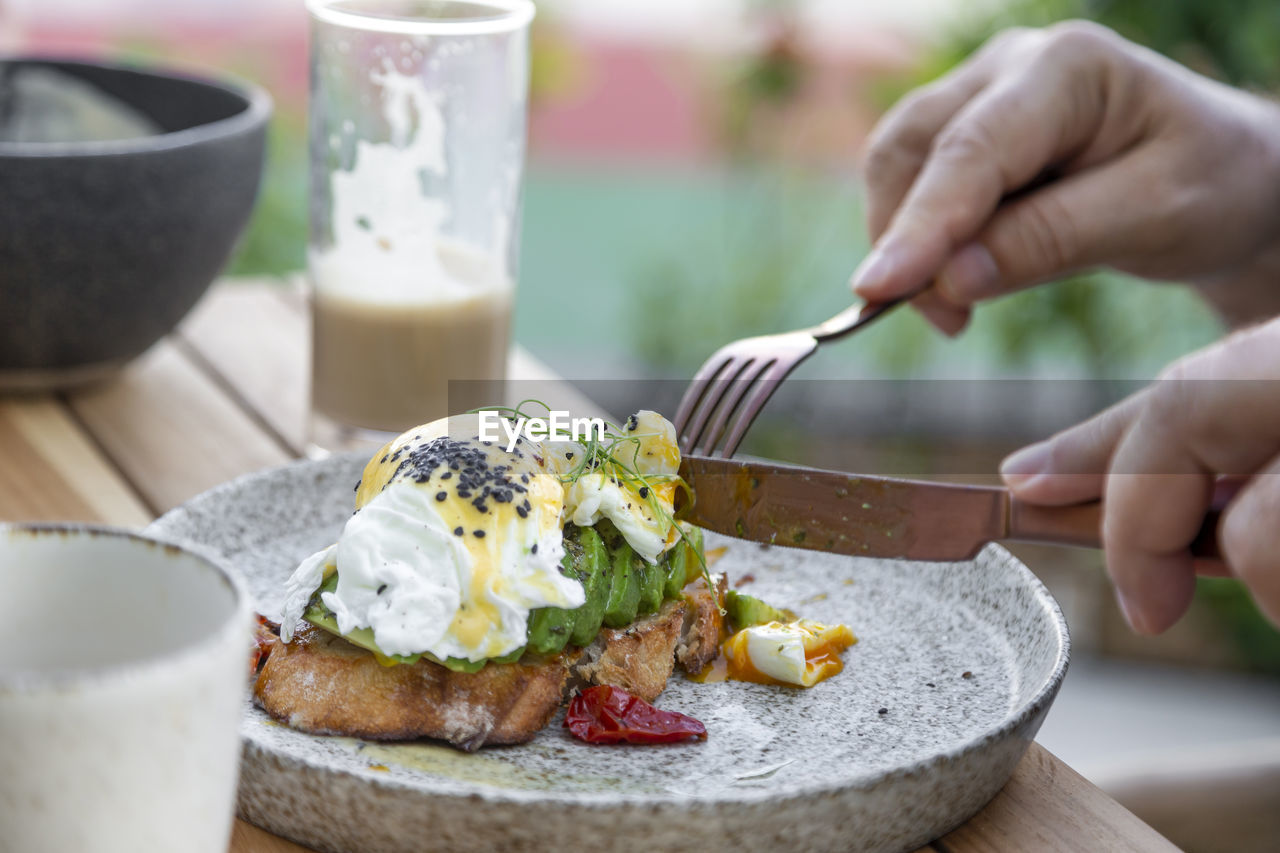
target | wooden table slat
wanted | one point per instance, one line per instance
(255, 337)
(1047, 806)
(247, 838)
(52, 471)
(171, 430)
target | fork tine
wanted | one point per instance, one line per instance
(698, 386)
(761, 392)
(717, 387)
(729, 403)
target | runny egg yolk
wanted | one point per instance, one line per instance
(796, 654)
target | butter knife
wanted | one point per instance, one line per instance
(880, 516)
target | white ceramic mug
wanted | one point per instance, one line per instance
(123, 668)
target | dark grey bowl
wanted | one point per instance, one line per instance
(105, 245)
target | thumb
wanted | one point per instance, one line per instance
(1071, 467)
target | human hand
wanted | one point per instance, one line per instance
(1207, 432)
(1066, 148)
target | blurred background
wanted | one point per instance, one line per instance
(692, 178)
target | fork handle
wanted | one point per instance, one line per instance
(1081, 525)
(852, 318)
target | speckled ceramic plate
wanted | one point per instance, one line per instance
(955, 667)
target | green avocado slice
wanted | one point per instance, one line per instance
(624, 593)
(590, 616)
(745, 610)
(550, 627)
(653, 578)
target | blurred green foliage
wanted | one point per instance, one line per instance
(1256, 640)
(1234, 40)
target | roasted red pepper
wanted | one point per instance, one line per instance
(608, 714)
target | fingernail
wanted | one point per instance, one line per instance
(1021, 465)
(872, 273)
(1132, 613)
(970, 274)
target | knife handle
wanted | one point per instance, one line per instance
(1081, 525)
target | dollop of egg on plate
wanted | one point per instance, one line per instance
(455, 540)
(799, 653)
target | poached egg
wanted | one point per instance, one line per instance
(455, 541)
(799, 653)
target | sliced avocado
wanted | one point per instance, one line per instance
(653, 579)
(624, 592)
(550, 627)
(745, 610)
(676, 561)
(685, 560)
(595, 563)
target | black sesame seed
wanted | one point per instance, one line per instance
(522, 512)
(644, 491)
(446, 475)
(534, 549)
(883, 711)
(632, 423)
(458, 531)
(569, 455)
(441, 495)
(479, 534)
(382, 589)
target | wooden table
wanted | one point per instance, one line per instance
(226, 395)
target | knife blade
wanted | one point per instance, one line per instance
(868, 516)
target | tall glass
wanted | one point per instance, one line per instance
(417, 137)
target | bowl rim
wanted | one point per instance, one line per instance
(256, 111)
(237, 623)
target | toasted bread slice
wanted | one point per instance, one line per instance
(703, 627)
(322, 684)
(638, 658)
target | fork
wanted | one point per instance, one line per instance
(741, 377)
